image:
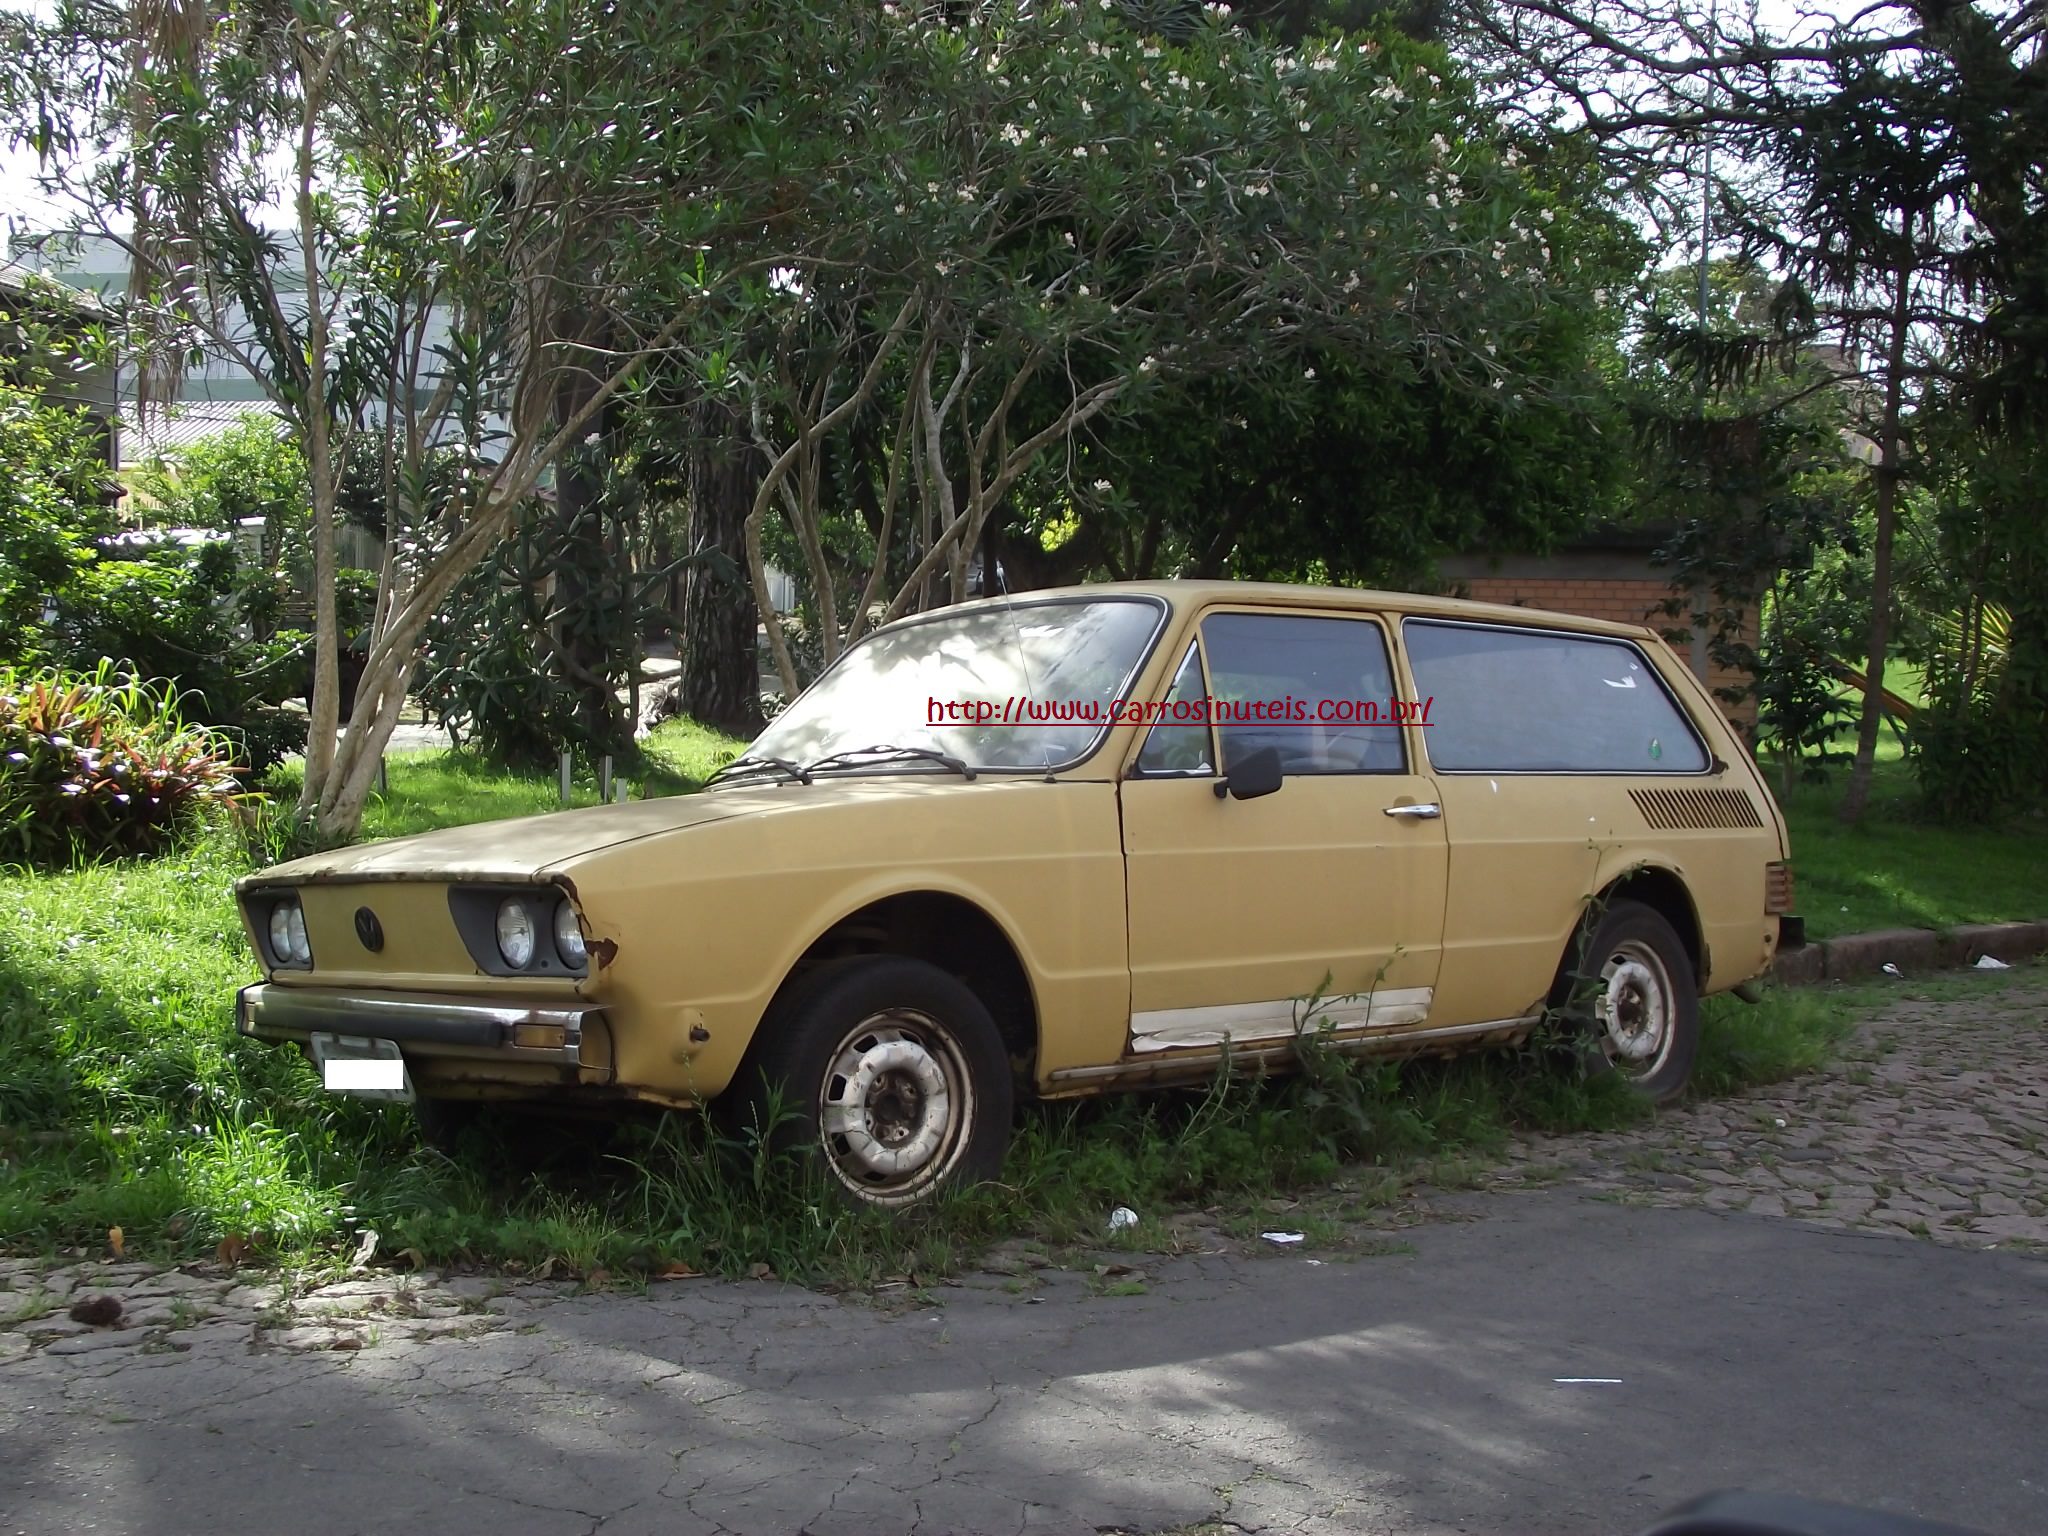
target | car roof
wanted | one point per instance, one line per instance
(1183, 595)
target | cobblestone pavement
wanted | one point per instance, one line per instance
(1933, 1121)
(1419, 1387)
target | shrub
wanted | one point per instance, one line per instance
(101, 766)
(171, 613)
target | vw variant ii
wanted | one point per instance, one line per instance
(1073, 841)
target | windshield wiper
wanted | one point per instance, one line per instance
(796, 772)
(926, 754)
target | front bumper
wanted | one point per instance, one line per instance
(435, 1025)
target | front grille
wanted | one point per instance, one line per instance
(1668, 809)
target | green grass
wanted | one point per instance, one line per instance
(126, 1100)
(1893, 870)
(437, 787)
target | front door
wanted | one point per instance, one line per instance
(1333, 887)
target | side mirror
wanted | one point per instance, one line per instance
(1252, 776)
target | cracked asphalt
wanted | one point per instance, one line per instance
(1615, 1324)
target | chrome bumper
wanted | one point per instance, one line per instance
(554, 1035)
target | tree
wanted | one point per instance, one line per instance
(467, 190)
(1882, 163)
(1053, 219)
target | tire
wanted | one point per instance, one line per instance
(1635, 1001)
(886, 1070)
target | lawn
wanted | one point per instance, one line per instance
(1895, 870)
(127, 1102)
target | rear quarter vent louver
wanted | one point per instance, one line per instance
(1680, 809)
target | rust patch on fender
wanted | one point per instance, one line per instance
(603, 951)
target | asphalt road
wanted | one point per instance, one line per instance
(1416, 1392)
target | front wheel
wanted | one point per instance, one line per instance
(1636, 1000)
(892, 1071)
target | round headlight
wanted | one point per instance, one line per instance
(302, 947)
(281, 930)
(515, 933)
(568, 935)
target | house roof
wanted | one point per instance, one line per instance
(18, 279)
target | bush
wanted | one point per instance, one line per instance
(101, 766)
(171, 613)
(51, 510)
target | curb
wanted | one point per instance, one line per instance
(1925, 949)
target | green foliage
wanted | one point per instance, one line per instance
(101, 766)
(1974, 587)
(1809, 620)
(173, 615)
(170, 613)
(51, 509)
(1742, 458)
(248, 471)
(525, 673)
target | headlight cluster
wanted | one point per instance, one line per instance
(287, 933)
(519, 932)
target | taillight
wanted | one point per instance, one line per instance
(1777, 889)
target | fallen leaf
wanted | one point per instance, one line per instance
(413, 1257)
(760, 1272)
(597, 1279)
(546, 1270)
(675, 1269)
(115, 1241)
(345, 1341)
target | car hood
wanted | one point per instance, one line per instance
(533, 845)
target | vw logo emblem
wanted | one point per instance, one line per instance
(369, 930)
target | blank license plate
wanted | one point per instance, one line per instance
(367, 1068)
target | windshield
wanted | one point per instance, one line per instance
(1023, 685)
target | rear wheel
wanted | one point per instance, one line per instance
(1635, 1000)
(891, 1071)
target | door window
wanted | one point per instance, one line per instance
(1320, 691)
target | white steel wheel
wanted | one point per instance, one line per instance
(893, 1073)
(1637, 1009)
(1641, 1018)
(896, 1107)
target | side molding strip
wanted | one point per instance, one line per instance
(1160, 1067)
(1246, 1023)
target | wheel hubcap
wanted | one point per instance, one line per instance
(1636, 1007)
(894, 1106)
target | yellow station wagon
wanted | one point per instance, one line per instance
(1080, 840)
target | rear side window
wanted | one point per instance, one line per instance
(1533, 701)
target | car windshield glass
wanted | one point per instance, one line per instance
(1022, 685)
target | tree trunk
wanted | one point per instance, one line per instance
(1889, 468)
(720, 682)
(580, 642)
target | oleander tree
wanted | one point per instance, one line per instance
(1054, 219)
(427, 231)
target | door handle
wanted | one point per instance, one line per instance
(1429, 810)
